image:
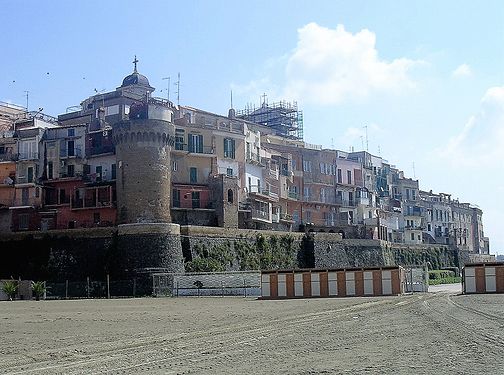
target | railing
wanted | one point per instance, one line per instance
(25, 180)
(100, 150)
(28, 155)
(293, 195)
(275, 218)
(194, 149)
(345, 202)
(287, 217)
(90, 203)
(270, 192)
(69, 153)
(9, 157)
(253, 157)
(257, 214)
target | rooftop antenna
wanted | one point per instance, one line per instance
(362, 141)
(178, 89)
(414, 173)
(231, 99)
(168, 94)
(367, 140)
(27, 95)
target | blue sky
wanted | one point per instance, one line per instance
(426, 77)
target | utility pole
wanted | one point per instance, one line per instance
(168, 94)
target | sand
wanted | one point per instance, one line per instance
(413, 334)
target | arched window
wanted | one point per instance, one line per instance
(230, 196)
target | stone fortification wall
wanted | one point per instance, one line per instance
(161, 247)
(230, 249)
(150, 247)
(333, 252)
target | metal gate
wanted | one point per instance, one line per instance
(417, 278)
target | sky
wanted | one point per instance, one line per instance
(425, 78)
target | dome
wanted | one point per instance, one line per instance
(135, 79)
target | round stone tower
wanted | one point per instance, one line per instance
(147, 240)
(144, 170)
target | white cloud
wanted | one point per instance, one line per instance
(329, 66)
(463, 70)
(480, 143)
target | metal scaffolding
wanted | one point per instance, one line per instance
(282, 116)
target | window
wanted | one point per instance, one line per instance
(24, 221)
(349, 177)
(71, 132)
(307, 192)
(114, 171)
(30, 174)
(340, 179)
(71, 170)
(229, 148)
(195, 196)
(176, 198)
(407, 194)
(429, 227)
(174, 166)
(308, 217)
(193, 175)
(412, 236)
(195, 143)
(307, 167)
(230, 196)
(179, 139)
(86, 169)
(229, 172)
(294, 164)
(96, 217)
(98, 173)
(71, 148)
(50, 170)
(413, 195)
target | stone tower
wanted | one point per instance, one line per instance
(144, 170)
(147, 239)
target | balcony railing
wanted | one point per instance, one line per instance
(28, 155)
(257, 214)
(194, 149)
(9, 156)
(272, 191)
(69, 153)
(345, 202)
(293, 195)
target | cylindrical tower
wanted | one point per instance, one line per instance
(144, 170)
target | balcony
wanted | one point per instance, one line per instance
(260, 215)
(345, 202)
(70, 153)
(9, 156)
(253, 158)
(28, 155)
(271, 192)
(194, 149)
(293, 195)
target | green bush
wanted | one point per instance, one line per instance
(445, 280)
(38, 288)
(440, 274)
(10, 287)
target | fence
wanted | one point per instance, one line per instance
(417, 278)
(237, 283)
(107, 288)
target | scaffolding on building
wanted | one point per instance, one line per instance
(282, 116)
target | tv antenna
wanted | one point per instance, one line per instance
(168, 87)
(27, 95)
(414, 173)
(178, 88)
(367, 140)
